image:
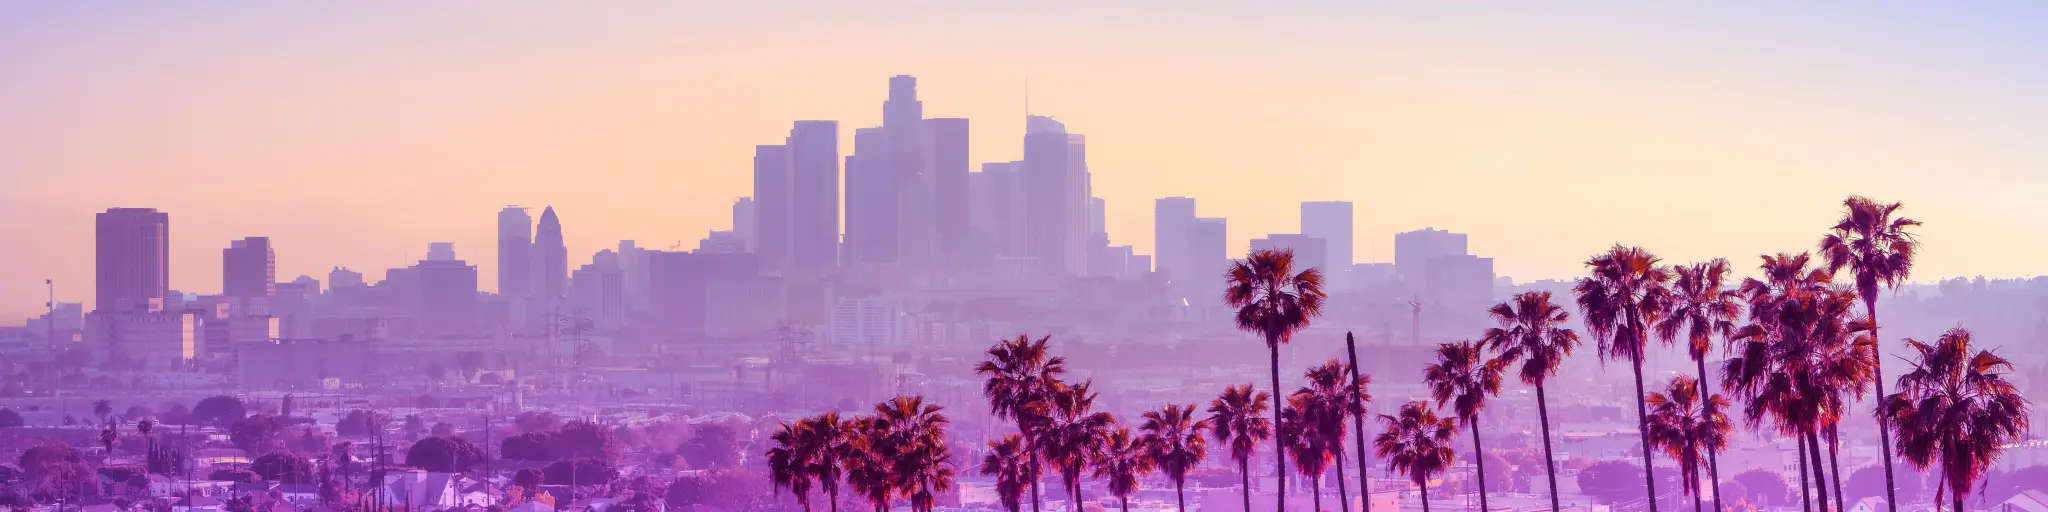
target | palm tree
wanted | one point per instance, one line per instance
(1328, 400)
(1012, 466)
(900, 452)
(1686, 426)
(1073, 433)
(929, 472)
(1879, 250)
(870, 467)
(789, 462)
(1463, 378)
(1019, 378)
(1275, 302)
(1122, 461)
(1702, 307)
(1418, 444)
(1173, 440)
(1623, 297)
(1359, 398)
(1794, 363)
(102, 409)
(833, 438)
(1239, 418)
(1311, 451)
(1956, 409)
(1532, 332)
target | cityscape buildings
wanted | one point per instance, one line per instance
(132, 258)
(249, 269)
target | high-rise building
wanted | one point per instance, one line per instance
(1460, 279)
(249, 269)
(682, 283)
(342, 277)
(132, 259)
(515, 252)
(867, 323)
(633, 261)
(1172, 217)
(1309, 252)
(773, 201)
(743, 221)
(1056, 194)
(440, 251)
(950, 165)
(996, 210)
(814, 196)
(1208, 256)
(1415, 251)
(598, 292)
(723, 242)
(442, 296)
(1331, 221)
(550, 258)
(871, 199)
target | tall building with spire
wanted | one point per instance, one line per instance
(515, 252)
(550, 258)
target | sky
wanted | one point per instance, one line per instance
(355, 133)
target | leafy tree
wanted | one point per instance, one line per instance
(714, 446)
(1612, 481)
(535, 446)
(219, 410)
(582, 439)
(102, 409)
(415, 425)
(135, 413)
(537, 421)
(283, 468)
(9, 418)
(442, 429)
(1764, 488)
(529, 478)
(257, 434)
(585, 471)
(444, 455)
(359, 423)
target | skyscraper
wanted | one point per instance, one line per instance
(814, 196)
(871, 202)
(997, 209)
(515, 252)
(132, 259)
(950, 166)
(1056, 196)
(743, 220)
(773, 200)
(1172, 217)
(1208, 256)
(551, 258)
(1331, 221)
(249, 269)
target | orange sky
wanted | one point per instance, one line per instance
(355, 137)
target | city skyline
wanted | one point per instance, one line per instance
(1155, 132)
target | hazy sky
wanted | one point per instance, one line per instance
(355, 133)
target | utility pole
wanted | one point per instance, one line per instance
(50, 321)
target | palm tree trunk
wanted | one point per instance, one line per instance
(1692, 465)
(1343, 494)
(1076, 487)
(1820, 478)
(1713, 461)
(1940, 487)
(1126, 502)
(1805, 489)
(1315, 491)
(1549, 460)
(1040, 475)
(832, 493)
(1279, 447)
(1244, 471)
(1425, 494)
(1884, 429)
(1479, 458)
(1358, 429)
(1956, 494)
(1835, 467)
(1180, 498)
(1643, 428)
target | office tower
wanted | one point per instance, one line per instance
(1309, 252)
(248, 269)
(773, 200)
(132, 259)
(442, 295)
(515, 252)
(742, 221)
(871, 202)
(1172, 217)
(950, 165)
(1331, 221)
(550, 258)
(1098, 220)
(997, 211)
(682, 285)
(440, 251)
(902, 109)
(1208, 256)
(633, 261)
(1056, 197)
(814, 196)
(1414, 252)
(868, 323)
(598, 292)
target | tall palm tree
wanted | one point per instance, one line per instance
(1330, 399)
(1359, 397)
(1073, 433)
(1464, 378)
(1532, 331)
(1878, 248)
(1311, 449)
(1417, 443)
(900, 452)
(102, 409)
(1956, 409)
(1274, 301)
(1239, 420)
(871, 463)
(1011, 464)
(1019, 377)
(1173, 440)
(1702, 307)
(833, 438)
(1122, 461)
(1687, 425)
(789, 462)
(1623, 297)
(1794, 364)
